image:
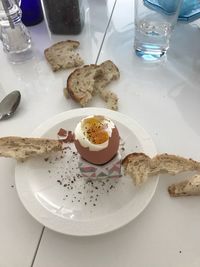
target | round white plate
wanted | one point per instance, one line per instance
(57, 197)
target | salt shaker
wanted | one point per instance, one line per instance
(14, 35)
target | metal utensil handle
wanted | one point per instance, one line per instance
(5, 6)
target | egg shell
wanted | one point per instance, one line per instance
(102, 156)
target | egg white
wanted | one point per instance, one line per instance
(83, 140)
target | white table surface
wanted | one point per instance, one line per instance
(164, 98)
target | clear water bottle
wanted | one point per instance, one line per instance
(14, 35)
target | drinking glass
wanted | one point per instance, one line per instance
(153, 27)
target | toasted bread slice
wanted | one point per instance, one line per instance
(80, 83)
(22, 148)
(189, 187)
(88, 80)
(62, 55)
(172, 164)
(139, 166)
(110, 73)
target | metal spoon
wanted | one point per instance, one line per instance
(9, 105)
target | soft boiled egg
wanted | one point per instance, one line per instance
(96, 139)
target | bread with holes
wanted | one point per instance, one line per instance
(110, 73)
(140, 166)
(189, 187)
(22, 148)
(89, 80)
(63, 55)
(80, 83)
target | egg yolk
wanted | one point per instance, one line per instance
(95, 130)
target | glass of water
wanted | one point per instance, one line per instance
(153, 27)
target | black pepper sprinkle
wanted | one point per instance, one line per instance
(46, 159)
(85, 203)
(94, 204)
(180, 251)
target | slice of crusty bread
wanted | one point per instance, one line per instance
(62, 55)
(139, 166)
(22, 148)
(110, 98)
(88, 80)
(80, 83)
(110, 73)
(172, 164)
(189, 187)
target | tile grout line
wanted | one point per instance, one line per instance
(105, 32)
(38, 245)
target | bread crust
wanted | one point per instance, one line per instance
(62, 55)
(23, 147)
(80, 83)
(139, 166)
(110, 73)
(84, 82)
(189, 187)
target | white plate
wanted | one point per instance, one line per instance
(53, 195)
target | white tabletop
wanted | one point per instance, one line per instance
(163, 98)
